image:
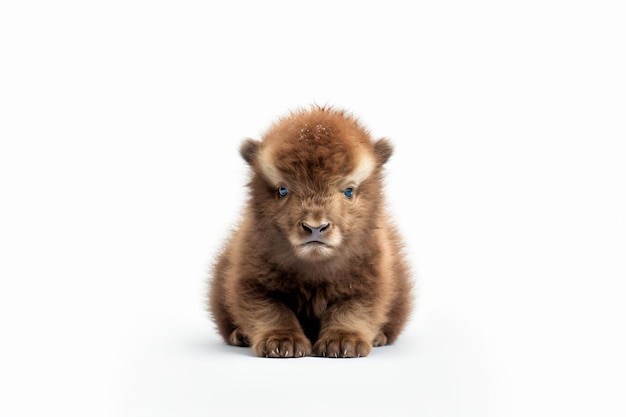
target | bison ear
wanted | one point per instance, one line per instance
(383, 149)
(249, 149)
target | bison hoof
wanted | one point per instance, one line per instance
(281, 345)
(342, 345)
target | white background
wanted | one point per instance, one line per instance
(120, 123)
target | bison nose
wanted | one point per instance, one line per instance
(315, 231)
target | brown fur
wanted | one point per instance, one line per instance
(337, 296)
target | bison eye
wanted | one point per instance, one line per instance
(348, 192)
(282, 191)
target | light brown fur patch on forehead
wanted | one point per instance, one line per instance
(365, 167)
(316, 146)
(267, 166)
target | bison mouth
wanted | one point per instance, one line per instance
(314, 249)
(319, 242)
(314, 245)
(314, 242)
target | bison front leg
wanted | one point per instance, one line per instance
(348, 331)
(274, 332)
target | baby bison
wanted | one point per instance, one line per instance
(315, 266)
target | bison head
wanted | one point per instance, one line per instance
(316, 183)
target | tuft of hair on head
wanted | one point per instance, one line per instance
(249, 149)
(383, 150)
